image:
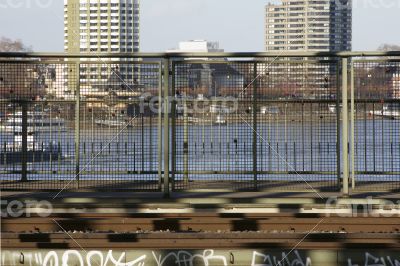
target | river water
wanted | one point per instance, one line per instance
(284, 150)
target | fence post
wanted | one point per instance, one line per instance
(24, 142)
(173, 134)
(185, 142)
(173, 127)
(166, 126)
(160, 123)
(77, 120)
(338, 137)
(345, 149)
(255, 124)
(352, 126)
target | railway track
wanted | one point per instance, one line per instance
(203, 229)
(204, 237)
(201, 222)
(228, 240)
(200, 230)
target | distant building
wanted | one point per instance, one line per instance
(149, 73)
(102, 26)
(55, 87)
(308, 25)
(197, 46)
(396, 86)
(206, 79)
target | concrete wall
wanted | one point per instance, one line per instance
(209, 257)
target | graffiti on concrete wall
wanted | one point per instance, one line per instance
(371, 260)
(70, 257)
(284, 259)
(186, 258)
(208, 257)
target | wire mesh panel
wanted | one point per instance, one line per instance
(297, 125)
(212, 142)
(11, 146)
(51, 165)
(241, 125)
(107, 138)
(248, 125)
(377, 124)
(36, 124)
(119, 126)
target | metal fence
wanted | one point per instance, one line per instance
(256, 125)
(169, 122)
(80, 125)
(376, 124)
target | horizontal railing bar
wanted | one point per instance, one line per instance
(182, 60)
(395, 60)
(376, 173)
(200, 172)
(239, 100)
(381, 100)
(14, 61)
(258, 172)
(200, 55)
(259, 101)
(82, 173)
(250, 60)
(16, 100)
(93, 187)
(119, 62)
(99, 62)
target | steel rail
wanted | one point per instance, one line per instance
(205, 222)
(167, 240)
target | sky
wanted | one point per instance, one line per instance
(238, 25)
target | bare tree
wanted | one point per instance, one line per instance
(19, 80)
(8, 45)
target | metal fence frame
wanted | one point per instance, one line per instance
(356, 184)
(254, 102)
(78, 102)
(346, 171)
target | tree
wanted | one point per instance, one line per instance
(389, 47)
(19, 81)
(8, 45)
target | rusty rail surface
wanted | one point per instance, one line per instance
(204, 222)
(200, 240)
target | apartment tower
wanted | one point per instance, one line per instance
(102, 26)
(309, 25)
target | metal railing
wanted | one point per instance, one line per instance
(169, 122)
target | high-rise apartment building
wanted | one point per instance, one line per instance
(306, 25)
(309, 25)
(103, 26)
